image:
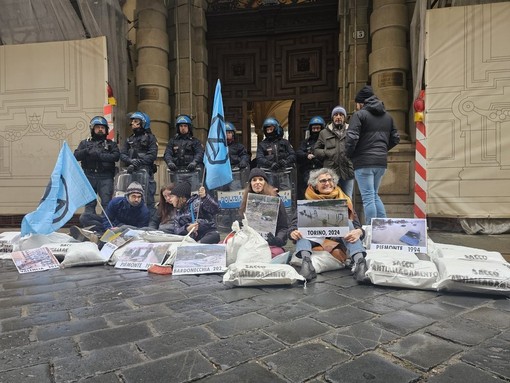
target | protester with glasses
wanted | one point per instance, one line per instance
(322, 184)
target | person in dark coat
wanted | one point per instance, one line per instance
(98, 156)
(371, 134)
(183, 151)
(129, 210)
(197, 213)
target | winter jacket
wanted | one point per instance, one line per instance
(238, 155)
(330, 148)
(371, 135)
(143, 147)
(98, 156)
(204, 208)
(121, 212)
(181, 150)
(305, 165)
(273, 150)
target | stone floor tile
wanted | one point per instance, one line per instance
(463, 373)
(297, 330)
(490, 316)
(239, 324)
(492, 355)
(435, 310)
(328, 300)
(382, 304)
(343, 316)
(461, 330)
(37, 374)
(245, 373)
(288, 311)
(402, 322)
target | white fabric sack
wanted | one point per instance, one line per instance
(160, 236)
(7, 240)
(473, 276)
(33, 241)
(59, 250)
(172, 250)
(323, 261)
(83, 254)
(260, 274)
(400, 269)
(445, 251)
(247, 246)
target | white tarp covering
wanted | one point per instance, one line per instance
(468, 111)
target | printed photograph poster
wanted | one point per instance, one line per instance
(323, 218)
(113, 242)
(200, 259)
(39, 259)
(142, 255)
(406, 234)
(262, 213)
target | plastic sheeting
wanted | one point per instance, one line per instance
(467, 111)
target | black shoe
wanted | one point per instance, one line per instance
(83, 235)
(307, 269)
(360, 272)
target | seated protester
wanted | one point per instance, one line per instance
(196, 213)
(322, 184)
(258, 184)
(163, 219)
(129, 210)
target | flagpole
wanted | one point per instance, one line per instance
(104, 212)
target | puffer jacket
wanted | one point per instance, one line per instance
(330, 148)
(371, 135)
(121, 212)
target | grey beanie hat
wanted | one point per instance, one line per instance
(363, 94)
(338, 109)
(134, 187)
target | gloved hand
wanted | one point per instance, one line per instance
(282, 163)
(191, 166)
(275, 166)
(136, 162)
(130, 169)
(274, 241)
(243, 164)
(171, 166)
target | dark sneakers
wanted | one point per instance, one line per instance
(360, 272)
(307, 269)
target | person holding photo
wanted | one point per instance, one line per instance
(197, 213)
(322, 184)
(258, 184)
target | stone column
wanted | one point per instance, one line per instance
(389, 59)
(188, 63)
(152, 74)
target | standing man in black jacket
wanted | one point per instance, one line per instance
(98, 156)
(370, 136)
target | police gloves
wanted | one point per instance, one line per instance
(274, 241)
(130, 169)
(275, 166)
(191, 166)
(282, 163)
(136, 162)
(171, 166)
(243, 164)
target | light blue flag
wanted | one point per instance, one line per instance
(68, 190)
(216, 160)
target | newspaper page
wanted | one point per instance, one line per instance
(113, 242)
(323, 218)
(142, 255)
(39, 259)
(262, 213)
(200, 259)
(406, 234)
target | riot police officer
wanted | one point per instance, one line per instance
(237, 153)
(183, 151)
(140, 151)
(274, 152)
(306, 160)
(98, 156)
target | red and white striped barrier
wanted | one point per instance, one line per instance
(420, 165)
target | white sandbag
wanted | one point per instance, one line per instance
(160, 236)
(247, 246)
(59, 250)
(466, 254)
(33, 241)
(82, 254)
(323, 261)
(7, 241)
(474, 276)
(400, 269)
(260, 274)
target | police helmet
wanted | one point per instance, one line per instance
(317, 120)
(144, 117)
(229, 127)
(271, 121)
(98, 120)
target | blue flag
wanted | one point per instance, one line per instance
(216, 160)
(67, 191)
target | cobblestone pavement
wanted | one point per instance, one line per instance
(100, 324)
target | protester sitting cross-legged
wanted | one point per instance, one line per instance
(258, 184)
(322, 185)
(197, 213)
(163, 219)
